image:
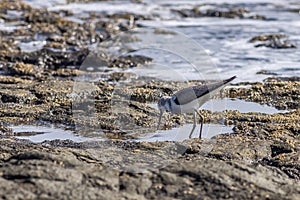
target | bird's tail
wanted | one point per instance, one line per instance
(229, 80)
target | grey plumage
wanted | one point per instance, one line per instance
(190, 99)
(189, 94)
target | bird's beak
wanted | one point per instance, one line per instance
(159, 119)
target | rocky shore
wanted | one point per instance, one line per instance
(260, 160)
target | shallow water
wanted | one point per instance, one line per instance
(242, 106)
(38, 134)
(42, 133)
(31, 46)
(182, 133)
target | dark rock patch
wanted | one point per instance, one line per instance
(130, 61)
(223, 13)
(275, 41)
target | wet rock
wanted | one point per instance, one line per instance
(287, 162)
(275, 41)
(281, 148)
(130, 61)
(36, 169)
(66, 41)
(189, 12)
(40, 178)
(275, 44)
(56, 45)
(12, 80)
(239, 13)
(281, 93)
(268, 126)
(284, 79)
(260, 160)
(8, 47)
(55, 101)
(294, 10)
(127, 16)
(43, 15)
(263, 38)
(30, 101)
(14, 5)
(5, 130)
(17, 96)
(65, 72)
(266, 72)
(203, 176)
(22, 69)
(121, 76)
(164, 32)
(49, 59)
(118, 24)
(229, 13)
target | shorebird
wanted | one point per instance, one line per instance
(189, 100)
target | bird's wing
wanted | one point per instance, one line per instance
(189, 94)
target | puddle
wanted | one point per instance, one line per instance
(219, 105)
(31, 46)
(41, 133)
(8, 27)
(183, 132)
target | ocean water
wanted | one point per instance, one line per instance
(206, 47)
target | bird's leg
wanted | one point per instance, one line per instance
(159, 119)
(184, 117)
(201, 122)
(194, 125)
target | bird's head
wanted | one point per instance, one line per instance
(161, 103)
